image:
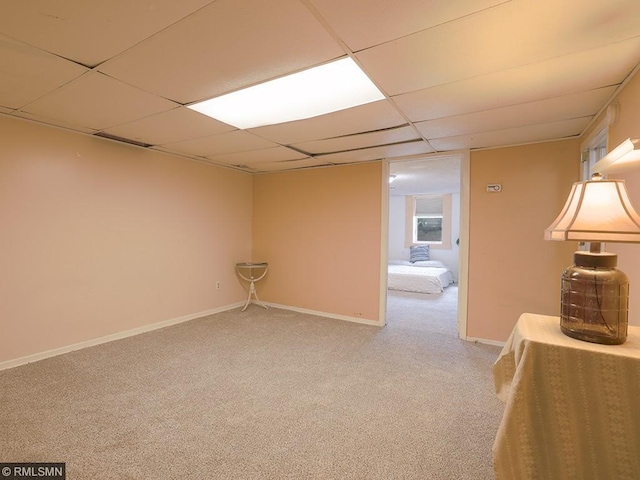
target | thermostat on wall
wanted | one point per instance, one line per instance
(494, 187)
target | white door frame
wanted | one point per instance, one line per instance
(463, 252)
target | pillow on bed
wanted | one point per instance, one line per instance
(429, 263)
(419, 253)
(399, 262)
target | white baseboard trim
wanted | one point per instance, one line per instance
(335, 316)
(495, 343)
(112, 337)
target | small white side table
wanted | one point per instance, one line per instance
(244, 268)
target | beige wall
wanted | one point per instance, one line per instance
(628, 126)
(512, 270)
(99, 237)
(320, 232)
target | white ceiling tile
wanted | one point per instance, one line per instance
(27, 73)
(168, 151)
(566, 74)
(503, 63)
(230, 142)
(250, 158)
(434, 173)
(97, 101)
(363, 140)
(226, 46)
(578, 105)
(377, 153)
(364, 24)
(475, 45)
(54, 122)
(289, 165)
(514, 136)
(365, 118)
(170, 126)
(89, 32)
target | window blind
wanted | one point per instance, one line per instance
(428, 206)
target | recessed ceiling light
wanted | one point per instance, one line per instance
(328, 88)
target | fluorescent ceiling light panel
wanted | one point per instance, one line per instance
(328, 88)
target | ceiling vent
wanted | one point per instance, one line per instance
(123, 140)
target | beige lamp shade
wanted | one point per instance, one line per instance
(597, 211)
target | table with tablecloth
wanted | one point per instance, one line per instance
(572, 408)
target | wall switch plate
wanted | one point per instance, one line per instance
(494, 187)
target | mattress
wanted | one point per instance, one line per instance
(411, 278)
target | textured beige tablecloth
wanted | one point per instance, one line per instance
(572, 408)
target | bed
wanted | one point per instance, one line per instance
(429, 276)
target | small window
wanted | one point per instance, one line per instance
(594, 147)
(428, 220)
(428, 229)
(589, 158)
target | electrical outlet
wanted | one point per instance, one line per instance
(218, 285)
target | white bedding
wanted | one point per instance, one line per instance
(426, 277)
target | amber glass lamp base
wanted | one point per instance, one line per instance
(595, 299)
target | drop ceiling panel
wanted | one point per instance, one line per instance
(566, 74)
(54, 122)
(433, 174)
(475, 45)
(225, 46)
(364, 140)
(27, 73)
(290, 165)
(365, 24)
(578, 105)
(235, 141)
(377, 153)
(514, 136)
(97, 101)
(171, 126)
(89, 32)
(495, 66)
(364, 118)
(254, 157)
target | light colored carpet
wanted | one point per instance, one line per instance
(434, 313)
(264, 394)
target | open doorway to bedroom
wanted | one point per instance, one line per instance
(424, 243)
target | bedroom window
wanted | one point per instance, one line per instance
(427, 229)
(429, 220)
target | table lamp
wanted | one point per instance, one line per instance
(595, 295)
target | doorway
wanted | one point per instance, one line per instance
(414, 189)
